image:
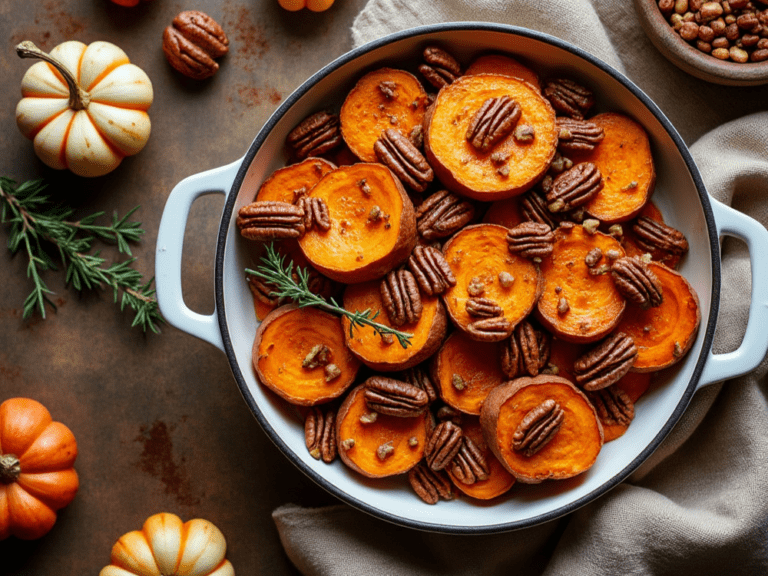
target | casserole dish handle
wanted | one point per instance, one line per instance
(754, 346)
(170, 240)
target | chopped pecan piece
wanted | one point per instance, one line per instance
(439, 68)
(637, 283)
(534, 209)
(389, 89)
(319, 355)
(270, 220)
(653, 235)
(419, 377)
(492, 122)
(431, 270)
(526, 351)
(538, 427)
(605, 364)
(531, 240)
(442, 214)
(574, 187)
(613, 406)
(578, 135)
(469, 464)
(394, 398)
(314, 135)
(430, 485)
(569, 97)
(315, 212)
(401, 298)
(398, 153)
(442, 445)
(320, 434)
(490, 329)
(483, 308)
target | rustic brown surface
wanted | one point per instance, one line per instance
(159, 420)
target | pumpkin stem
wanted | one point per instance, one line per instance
(78, 98)
(10, 468)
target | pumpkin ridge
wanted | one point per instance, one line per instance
(51, 119)
(114, 65)
(106, 140)
(64, 140)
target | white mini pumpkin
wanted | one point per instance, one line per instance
(85, 107)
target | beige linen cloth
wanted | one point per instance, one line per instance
(699, 505)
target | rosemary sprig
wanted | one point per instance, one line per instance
(34, 220)
(276, 272)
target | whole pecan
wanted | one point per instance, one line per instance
(399, 154)
(263, 291)
(637, 283)
(401, 298)
(534, 209)
(320, 434)
(443, 444)
(419, 377)
(526, 351)
(538, 427)
(490, 329)
(191, 43)
(495, 118)
(270, 220)
(575, 187)
(531, 240)
(315, 135)
(439, 68)
(654, 235)
(569, 97)
(483, 308)
(394, 398)
(430, 485)
(442, 214)
(612, 405)
(431, 270)
(605, 364)
(315, 212)
(469, 465)
(578, 135)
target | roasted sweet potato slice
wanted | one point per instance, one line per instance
(373, 224)
(288, 183)
(572, 449)
(300, 354)
(510, 167)
(485, 269)
(382, 99)
(386, 354)
(505, 65)
(378, 445)
(664, 334)
(577, 305)
(465, 371)
(499, 480)
(625, 161)
(629, 241)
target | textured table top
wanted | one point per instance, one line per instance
(159, 421)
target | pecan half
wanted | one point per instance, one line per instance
(483, 308)
(263, 291)
(526, 351)
(270, 220)
(442, 445)
(315, 135)
(605, 364)
(531, 240)
(439, 68)
(654, 235)
(394, 398)
(469, 465)
(401, 298)
(398, 153)
(612, 405)
(191, 43)
(431, 270)
(315, 212)
(569, 97)
(538, 427)
(419, 377)
(578, 135)
(492, 122)
(490, 329)
(636, 282)
(320, 434)
(430, 485)
(534, 209)
(574, 187)
(442, 214)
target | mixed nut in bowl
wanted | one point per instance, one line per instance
(410, 214)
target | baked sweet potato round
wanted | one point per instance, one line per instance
(485, 269)
(381, 445)
(505, 65)
(295, 350)
(373, 224)
(572, 449)
(511, 166)
(580, 303)
(289, 183)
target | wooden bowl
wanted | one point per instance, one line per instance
(692, 60)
